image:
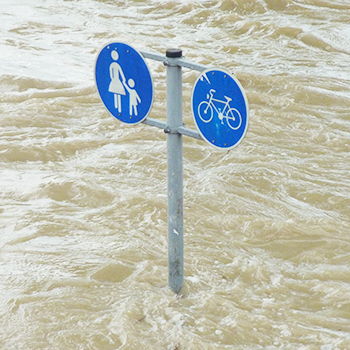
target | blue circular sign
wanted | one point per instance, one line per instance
(124, 83)
(220, 108)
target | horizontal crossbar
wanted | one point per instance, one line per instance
(180, 130)
(179, 62)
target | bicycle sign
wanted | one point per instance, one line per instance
(220, 108)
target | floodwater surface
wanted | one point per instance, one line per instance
(83, 213)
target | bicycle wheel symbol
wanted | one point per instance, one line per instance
(234, 119)
(205, 111)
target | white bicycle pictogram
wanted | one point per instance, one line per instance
(232, 115)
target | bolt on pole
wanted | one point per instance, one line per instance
(175, 169)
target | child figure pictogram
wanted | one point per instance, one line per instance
(134, 98)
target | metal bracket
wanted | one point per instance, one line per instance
(173, 63)
(169, 130)
(183, 130)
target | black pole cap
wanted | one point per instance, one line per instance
(174, 53)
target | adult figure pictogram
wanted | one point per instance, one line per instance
(118, 81)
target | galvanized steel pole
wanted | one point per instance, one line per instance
(175, 169)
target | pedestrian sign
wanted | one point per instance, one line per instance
(220, 108)
(124, 83)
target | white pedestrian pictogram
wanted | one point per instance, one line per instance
(118, 85)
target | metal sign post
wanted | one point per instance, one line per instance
(175, 170)
(125, 87)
